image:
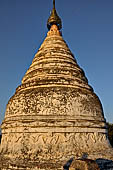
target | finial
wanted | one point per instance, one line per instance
(54, 19)
(53, 3)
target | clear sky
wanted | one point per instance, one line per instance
(87, 29)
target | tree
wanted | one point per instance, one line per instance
(0, 137)
(110, 133)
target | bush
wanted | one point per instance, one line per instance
(0, 138)
(110, 133)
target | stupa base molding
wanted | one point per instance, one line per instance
(55, 146)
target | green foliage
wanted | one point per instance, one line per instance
(110, 133)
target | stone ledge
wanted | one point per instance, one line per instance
(86, 164)
(7, 164)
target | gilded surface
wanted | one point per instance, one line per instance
(54, 19)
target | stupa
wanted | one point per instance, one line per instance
(54, 114)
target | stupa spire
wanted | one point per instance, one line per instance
(54, 19)
(53, 3)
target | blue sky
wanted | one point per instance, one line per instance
(87, 29)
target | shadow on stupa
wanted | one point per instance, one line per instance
(105, 164)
